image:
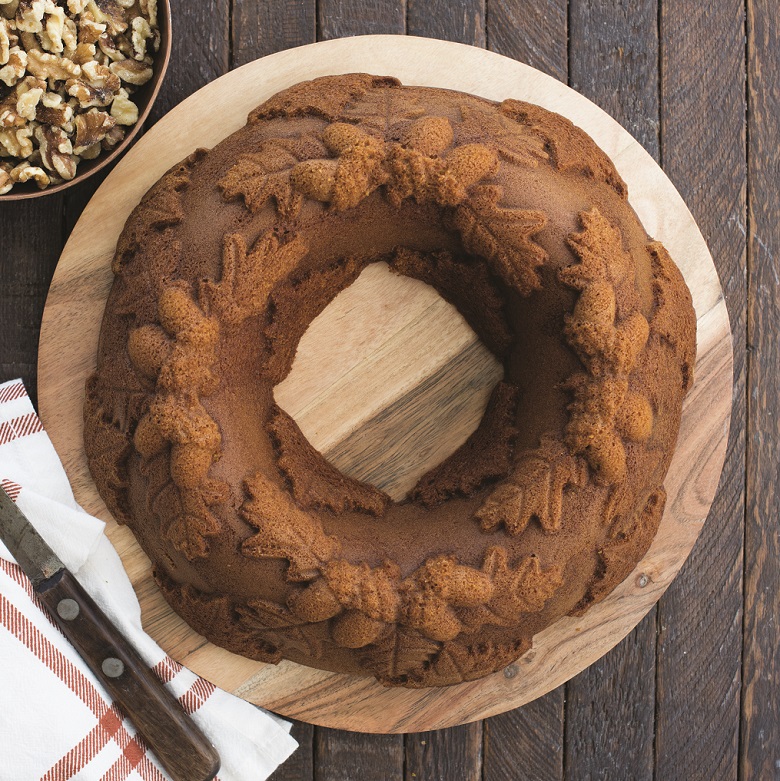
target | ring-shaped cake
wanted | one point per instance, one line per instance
(515, 217)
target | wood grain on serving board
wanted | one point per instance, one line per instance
(69, 338)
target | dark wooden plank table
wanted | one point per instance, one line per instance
(693, 692)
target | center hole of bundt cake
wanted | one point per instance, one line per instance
(388, 381)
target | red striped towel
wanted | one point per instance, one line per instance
(56, 722)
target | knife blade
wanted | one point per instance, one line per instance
(181, 748)
(37, 560)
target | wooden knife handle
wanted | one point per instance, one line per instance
(181, 748)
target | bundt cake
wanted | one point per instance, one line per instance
(519, 220)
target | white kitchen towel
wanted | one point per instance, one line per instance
(56, 721)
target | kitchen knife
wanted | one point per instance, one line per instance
(181, 748)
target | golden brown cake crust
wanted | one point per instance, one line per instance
(514, 216)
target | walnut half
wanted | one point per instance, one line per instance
(24, 172)
(123, 110)
(56, 151)
(91, 129)
(132, 71)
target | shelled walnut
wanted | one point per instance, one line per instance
(68, 72)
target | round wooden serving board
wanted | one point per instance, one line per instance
(431, 369)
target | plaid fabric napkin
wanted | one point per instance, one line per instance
(56, 722)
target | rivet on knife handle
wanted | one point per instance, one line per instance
(181, 748)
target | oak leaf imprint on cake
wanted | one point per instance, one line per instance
(133, 277)
(164, 202)
(459, 662)
(270, 615)
(382, 109)
(260, 176)
(520, 589)
(248, 277)
(397, 654)
(600, 251)
(315, 482)
(300, 99)
(285, 531)
(515, 143)
(569, 151)
(674, 313)
(260, 618)
(629, 538)
(504, 237)
(162, 208)
(189, 532)
(534, 490)
(524, 588)
(106, 440)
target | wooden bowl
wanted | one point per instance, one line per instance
(144, 99)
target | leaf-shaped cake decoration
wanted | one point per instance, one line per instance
(534, 490)
(328, 102)
(164, 205)
(524, 588)
(158, 485)
(504, 237)
(301, 641)
(515, 143)
(107, 445)
(381, 109)
(187, 512)
(248, 277)
(629, 539)
(249, 179)
(674, 313)
(136, 281)
(162, 209)
(260, 176)
(591, 427)
(568, 151)
(599, 248)
(320, 486)
(398, 655)
(215, 615)
(270, 624)
(285, 531)
(457, 662)
(265, 614)
(194, 522)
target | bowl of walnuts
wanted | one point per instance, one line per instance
(78, 79)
